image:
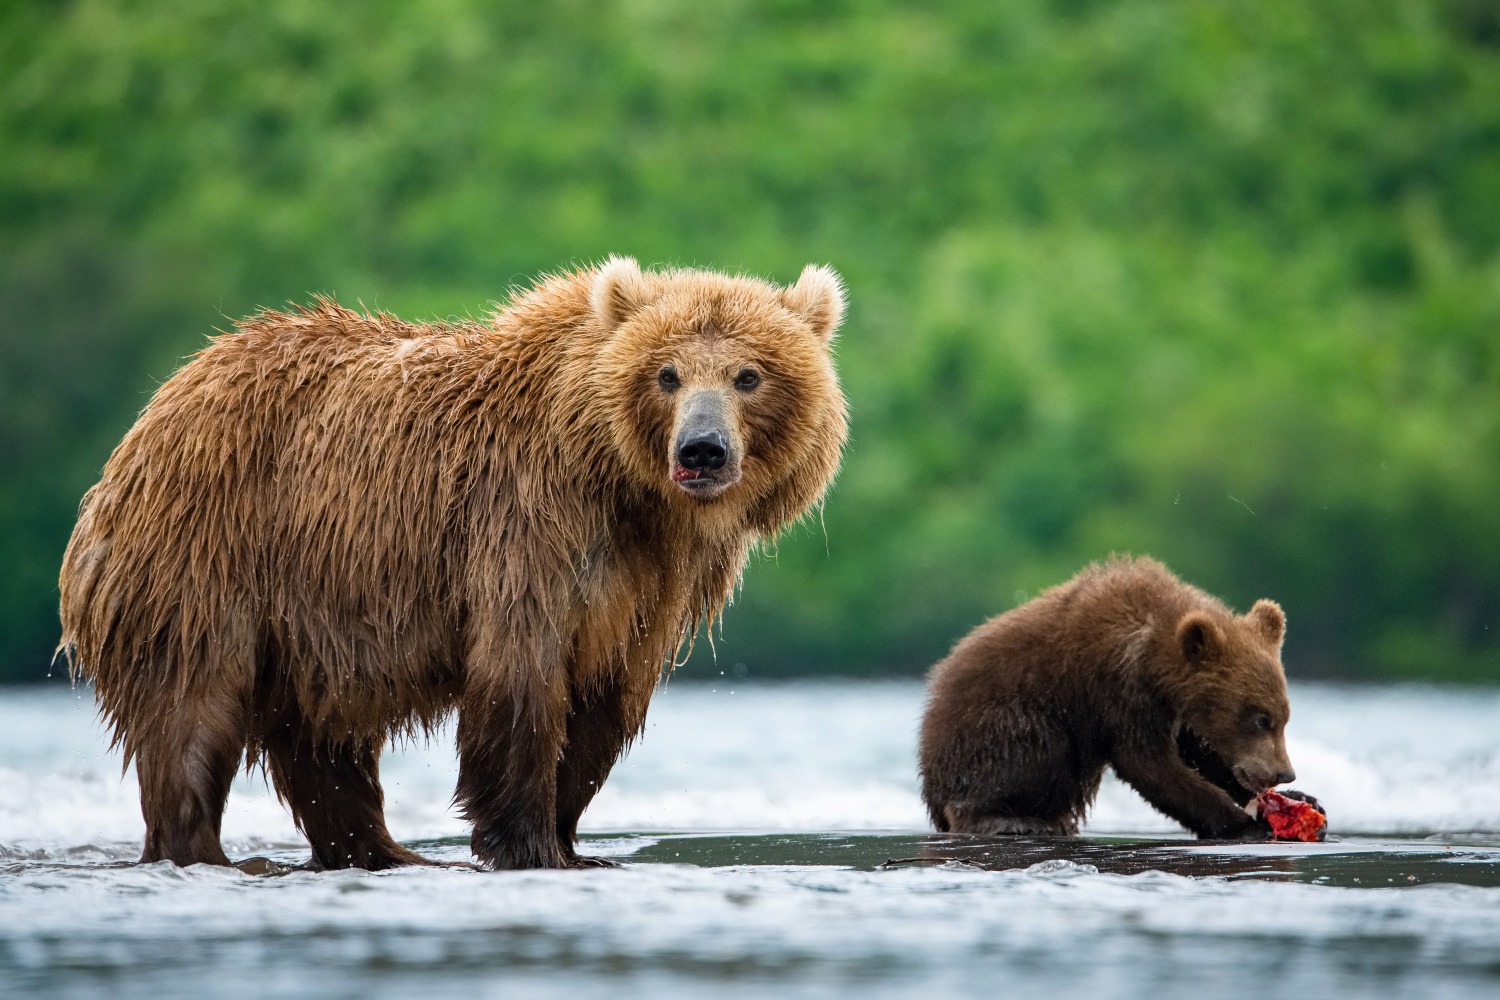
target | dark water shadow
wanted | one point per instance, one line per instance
(1108, 856)
(1351, 863)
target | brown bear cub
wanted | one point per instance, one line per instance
(1125, 666)
(332, 528)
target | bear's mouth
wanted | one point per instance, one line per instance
(1197, 754)
(705, 484)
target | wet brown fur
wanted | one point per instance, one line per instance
(331, 528)
(1114, 668)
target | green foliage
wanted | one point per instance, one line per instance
(1214, 280)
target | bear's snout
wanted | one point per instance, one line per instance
(703, 450)
(704, 459)
(1258, 779)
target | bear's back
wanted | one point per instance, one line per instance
(1093, 634)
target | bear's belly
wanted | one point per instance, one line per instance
(348, 675)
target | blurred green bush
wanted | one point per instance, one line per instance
(1218, 281)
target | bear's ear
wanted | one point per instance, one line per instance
(1269, 620)
(619, 290)
(1199, 638)
(818, 297)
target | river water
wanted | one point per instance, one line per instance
(773, 844)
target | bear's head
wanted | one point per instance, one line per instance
(721, 390)
(1234, 706)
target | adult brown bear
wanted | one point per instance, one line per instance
(331, 528)
(1123, 665)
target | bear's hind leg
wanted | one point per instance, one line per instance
(1021, 774)
(961, 818)
(186, 763)
(334, 793)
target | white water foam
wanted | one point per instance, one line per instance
(1056, 929)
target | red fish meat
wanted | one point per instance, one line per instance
(1292, 819)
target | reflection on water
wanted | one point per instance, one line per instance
(1115, 858)
(884, 908)
(1353, 864)
(1356, 863)
(874, 852)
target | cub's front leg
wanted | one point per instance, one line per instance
(1178, 791)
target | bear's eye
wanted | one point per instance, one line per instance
(1263, 723)
(747, 379)
(667, 379)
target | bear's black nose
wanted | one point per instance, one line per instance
(703, 450)
(1285, 776)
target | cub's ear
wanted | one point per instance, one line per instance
(619, 290)
(1269, 619)
(818, 297)
(1199, 638)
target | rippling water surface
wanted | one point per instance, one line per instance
(774, 844)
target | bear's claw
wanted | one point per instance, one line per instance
(584, 861)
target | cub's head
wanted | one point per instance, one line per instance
(1235, 710)
(721, 391)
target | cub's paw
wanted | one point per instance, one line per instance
(1254, 832)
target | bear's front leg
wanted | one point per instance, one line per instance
(510, 739)
(598, 726)
(1178, 791)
